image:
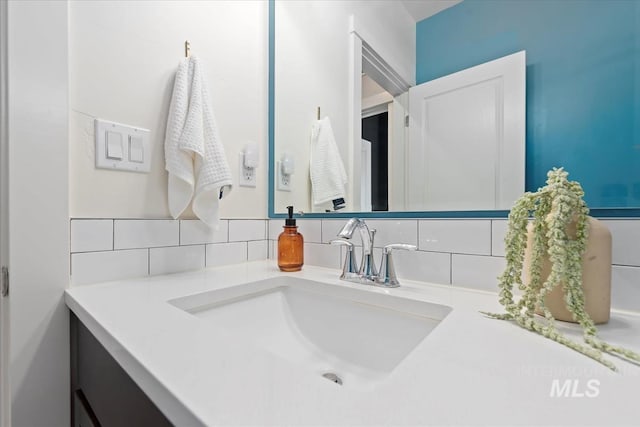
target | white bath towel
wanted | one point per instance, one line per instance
(328, 176)
(194, 154)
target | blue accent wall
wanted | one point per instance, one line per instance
(583, 82)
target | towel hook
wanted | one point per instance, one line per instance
(318, 113)
(187, 49)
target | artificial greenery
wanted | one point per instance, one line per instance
(553, 207)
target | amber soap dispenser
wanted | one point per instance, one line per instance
(290, 245)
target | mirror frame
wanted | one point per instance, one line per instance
(595, 212)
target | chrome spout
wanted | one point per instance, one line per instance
(367, 265)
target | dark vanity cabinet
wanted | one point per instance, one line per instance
(102, 392)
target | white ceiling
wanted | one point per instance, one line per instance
(421, 9)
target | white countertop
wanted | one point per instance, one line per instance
(471, 370)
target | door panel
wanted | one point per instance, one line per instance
(463, 154)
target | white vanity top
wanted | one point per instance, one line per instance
(471, 370)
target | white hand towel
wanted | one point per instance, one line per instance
(194, 154)
(328, 176)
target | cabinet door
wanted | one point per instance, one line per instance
(106, 390)
(82, 414)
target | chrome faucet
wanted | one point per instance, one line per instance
(367, 273)
(367, 265)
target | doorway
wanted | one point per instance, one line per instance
(378, 90)
(375, 135)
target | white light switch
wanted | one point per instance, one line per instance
(136, 149)
(114, 145)
(122, 147)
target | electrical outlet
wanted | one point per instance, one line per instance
(283, 181)
(247, 175)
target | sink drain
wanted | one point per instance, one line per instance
(333, 378)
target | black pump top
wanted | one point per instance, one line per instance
(290, 222)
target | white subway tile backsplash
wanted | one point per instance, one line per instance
(387, 231)
(625, 288)
(88, 235)
(274, 228)
(625, 236)
(143, 233)
(242, 230)
(321, 255)
(226, 253)
(311, 229)
(456, 236)
(452, 251)
(195, 232)
(257, 250)
(498, 233)
(625, 240)
(477, 272)
(92, 267)
(331, 228)
(393, 231)
(273, 249)
(431, 267)
(175, 259)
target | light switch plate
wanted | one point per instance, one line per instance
(134, 145)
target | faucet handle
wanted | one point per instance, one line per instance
(387, 276)
(341, 242)
(403, 246)
(349, 268)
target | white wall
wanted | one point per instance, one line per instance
(123, 57)
(5, 391)
(312, 70)
(38, 212)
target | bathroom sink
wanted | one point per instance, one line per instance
(350, 336)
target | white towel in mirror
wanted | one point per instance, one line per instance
(327, 172)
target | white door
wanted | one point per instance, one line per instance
(5, 401)
(467, 138)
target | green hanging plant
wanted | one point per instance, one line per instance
(553, 207)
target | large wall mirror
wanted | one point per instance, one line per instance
(380, 82)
